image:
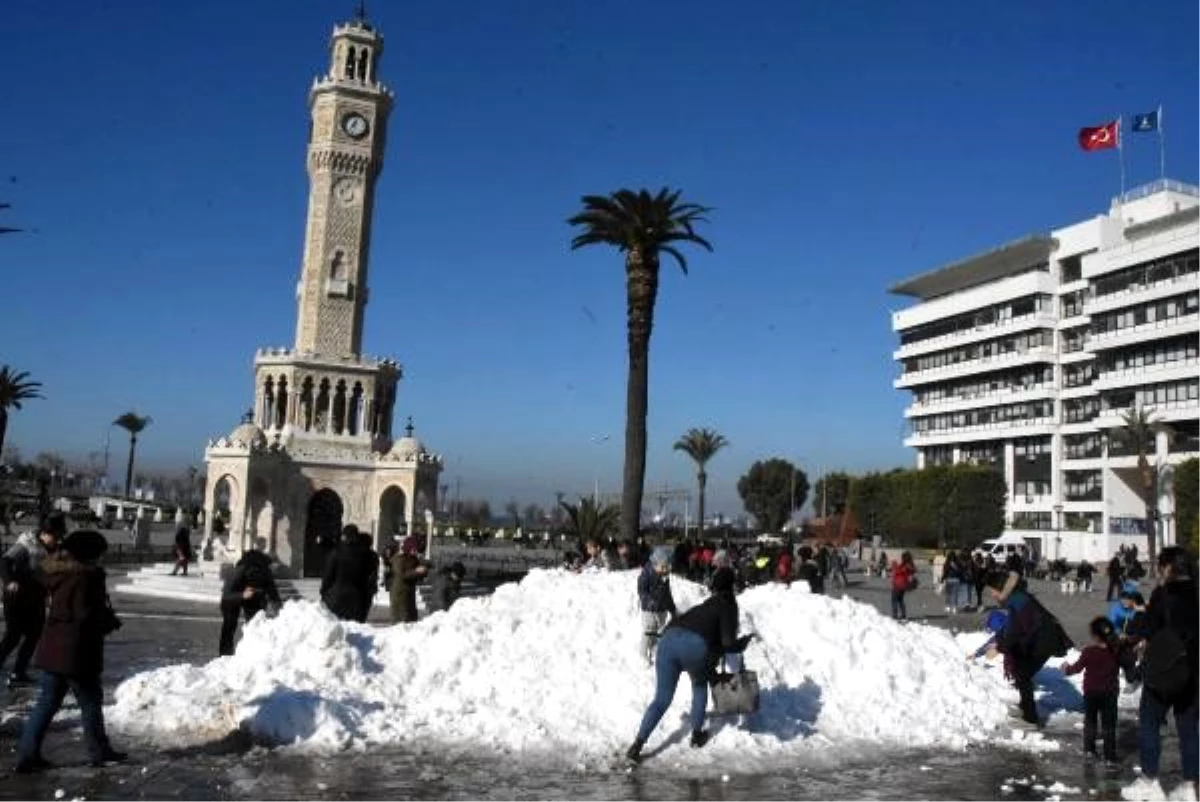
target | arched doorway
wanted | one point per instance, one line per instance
(392, 518)
(224, 492)
(323, 527)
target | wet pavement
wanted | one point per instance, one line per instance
(159, 632)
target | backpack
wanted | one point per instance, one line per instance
(1165, 666)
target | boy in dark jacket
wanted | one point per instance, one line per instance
(1030, 637)
(655, 599)
(446, 587)
(1101, 686)
(249, 588)
(71, 651)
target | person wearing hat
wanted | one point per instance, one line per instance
(655, 599)
(24, 596)
(71, 650)
(693, 642)
(407, 572)
(446, 587)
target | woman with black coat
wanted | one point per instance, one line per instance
(348, 585)
(693, 642)
(249, 588)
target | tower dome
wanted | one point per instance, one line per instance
(249, 436)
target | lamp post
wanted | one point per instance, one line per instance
(597, 440)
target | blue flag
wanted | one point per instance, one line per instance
(1143, 123)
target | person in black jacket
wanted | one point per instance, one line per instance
(1173, 606)
(694, 642)
(655, 599)
(249, 588)
(351, 574)
(446, 586)
(24, 596)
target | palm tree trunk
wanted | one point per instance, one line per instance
(641, 278)
(702, 479)
(1149, 493)
(129, 463)
(3, 428)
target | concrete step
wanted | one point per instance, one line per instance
(203, 583)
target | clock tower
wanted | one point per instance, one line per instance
(349, 108)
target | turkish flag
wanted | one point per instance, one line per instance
(1101, 137)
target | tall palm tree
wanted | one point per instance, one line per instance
(15, 387)
(701, 445)
(134, 424)
(1137, 436)
(642, 226)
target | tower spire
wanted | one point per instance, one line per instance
(361, 14)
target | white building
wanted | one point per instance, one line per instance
(1025, 356)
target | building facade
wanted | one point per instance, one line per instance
(1026, 357)
(317, 450)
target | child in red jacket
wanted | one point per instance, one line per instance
(1101, 686)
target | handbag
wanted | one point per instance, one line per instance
(735, 693)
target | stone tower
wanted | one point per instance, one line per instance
(349, 108)
(316, 450)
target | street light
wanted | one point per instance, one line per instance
(597, 440)
(1058, 508)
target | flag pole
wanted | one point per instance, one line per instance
(1121, 156)
(1162, 148)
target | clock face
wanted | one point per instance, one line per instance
(355, 125)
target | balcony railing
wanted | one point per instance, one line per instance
(1087, 495)
(1041, 350)
(982, 394)
(1171, 322)
(1153, 367)
(962, 334)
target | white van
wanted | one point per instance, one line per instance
(1001, 547)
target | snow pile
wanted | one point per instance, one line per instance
(552, 664)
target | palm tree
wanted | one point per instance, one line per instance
(642, 226)
(587, 520)
(134, 424)
(1137, 436)
(15, 387)
(701, 445)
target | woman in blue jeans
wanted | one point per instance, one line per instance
(693, 642)
(1172, 605)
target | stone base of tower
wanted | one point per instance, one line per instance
(290, 496)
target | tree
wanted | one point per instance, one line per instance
(1137, 435)
(15, 388)
(765, 489)
(830, 493)
(642, 226)
(533, 515)
(513, 510)
(587, 520)
(701, 445)
(134, 424)
(1187, 506)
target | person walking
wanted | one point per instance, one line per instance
(348, 584)
(248, 590)
(71, 650)
(1101, 687)
(1116, 575)
(183, 550)
(407, 572)
(1169, 676)
(655, 599)
(693, 642)
(24, 596)
(446, 587)
(904, 574)
(951, 579)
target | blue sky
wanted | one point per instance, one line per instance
(158, 150)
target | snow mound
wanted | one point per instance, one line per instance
(552, 664)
